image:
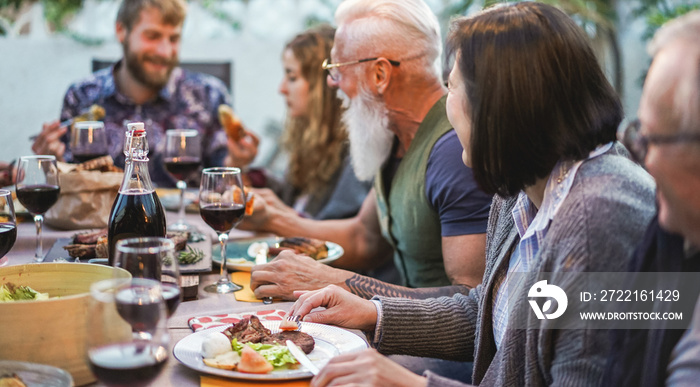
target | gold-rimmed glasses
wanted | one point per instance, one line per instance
(333, 67)
(638, 144)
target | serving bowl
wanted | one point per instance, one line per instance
(53, 331)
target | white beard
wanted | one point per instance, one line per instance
(367, 122)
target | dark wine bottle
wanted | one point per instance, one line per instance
(137, 211)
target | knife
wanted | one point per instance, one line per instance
(302, 358)
(261, 259)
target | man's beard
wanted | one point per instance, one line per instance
(134, 64)
(367, 122)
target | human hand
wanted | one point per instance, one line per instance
(343, 308)
(272, 200)
(262, 213)
(7, 175)
(48, 142)
(365, 368)
(289, 272)
(242, 152)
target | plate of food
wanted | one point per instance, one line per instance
(194, 255)
(170, 199)
(20, 373)
(226, 351)
(240, 255)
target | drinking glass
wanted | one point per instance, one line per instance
(8, 225)
(222, 206)
(182, 160)
(37, 189)
(127, 343)
(154, 258)
(88, 141)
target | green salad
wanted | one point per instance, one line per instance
(12, 292)
(277, 355)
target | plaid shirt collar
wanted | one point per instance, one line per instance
(532, 224)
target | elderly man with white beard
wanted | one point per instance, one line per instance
(425, 204)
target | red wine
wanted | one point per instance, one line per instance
(135, 214)
(129, 364)
(37, 199)
(137, 307)
(81, 158)
(8, 234)
(172, 297)
(182, 167)
(222, 218)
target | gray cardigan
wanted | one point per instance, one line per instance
(595, 230)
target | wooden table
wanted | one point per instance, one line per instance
(174, 374)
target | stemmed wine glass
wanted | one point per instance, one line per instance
(88, 141)
(8, 225)
(37, 190)
(127, 343)
(222, 206)
(154, 258)
(182, 159)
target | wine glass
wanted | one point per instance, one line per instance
(182, 159)
(127, 343)
(8, 225)
(222, 206)
(88, 141)
(154, 258)
(37, 190)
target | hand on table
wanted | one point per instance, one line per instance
(48, 142)
(365, 368)
(343, 308)
(289, 272)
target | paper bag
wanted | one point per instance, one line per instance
(85, 201)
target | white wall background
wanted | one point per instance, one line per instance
(36, 69)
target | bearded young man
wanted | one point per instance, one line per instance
(146, 85)
(425, 204)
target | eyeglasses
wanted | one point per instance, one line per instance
(333, 67)
(638, 144)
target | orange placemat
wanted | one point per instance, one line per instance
(243, 278)
(214, 381)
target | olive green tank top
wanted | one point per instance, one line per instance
(407, 218)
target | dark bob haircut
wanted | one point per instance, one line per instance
(536, 92)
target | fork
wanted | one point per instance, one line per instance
(295, 319)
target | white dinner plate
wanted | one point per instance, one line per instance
(239, 257)
(330, 341)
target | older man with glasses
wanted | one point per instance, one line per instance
(425, 204)
(666, 139)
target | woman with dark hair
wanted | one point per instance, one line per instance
(537, 120)
(319, 180)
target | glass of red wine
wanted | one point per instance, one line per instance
(153, 258)
(127, 342)
(8, 225)
(222, 206)
(88, 141)
(37, 189)
(182, 159)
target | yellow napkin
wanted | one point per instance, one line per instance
(243, 278)
(213, 381)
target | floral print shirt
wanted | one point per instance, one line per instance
(189, 101)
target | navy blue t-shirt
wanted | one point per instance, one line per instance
(451, 189)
